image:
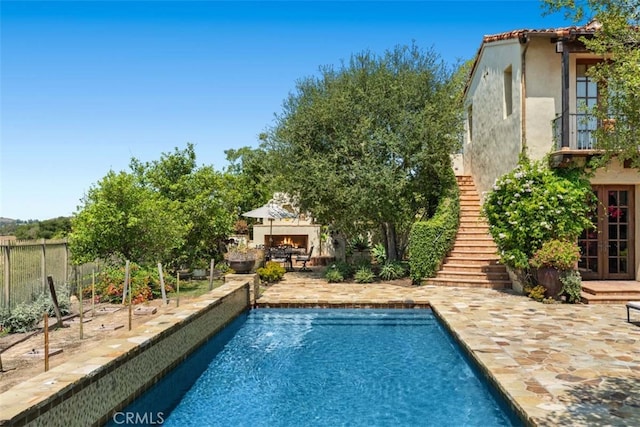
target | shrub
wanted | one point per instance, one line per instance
(430, 241)
(271, 272)
(145, 284)
(379, 253)
(571, 286)
(364, 275)
(392, 270)
(23, 318)
(360, 263)
(334, 276)
(558, 254)
(358, 243)
(44, 303)
(534, 204)
(345, 269)
(535, 292)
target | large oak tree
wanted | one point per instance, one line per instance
(365, 146)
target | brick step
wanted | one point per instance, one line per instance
(484, 253)
(464, 275)
(474, 239)
(474, 225)
(463, 267)
(472, 244)
(473, 260)
(477, 237)
(464, 251)
(473, 229)
(610, 292)
(588, 298)
(472, 251)
(473, 220)
(470, 283)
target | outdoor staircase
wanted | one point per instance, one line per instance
(473, 261)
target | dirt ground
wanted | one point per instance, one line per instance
(18, 365)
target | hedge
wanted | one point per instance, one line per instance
(431, 240)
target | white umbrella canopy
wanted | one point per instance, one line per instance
(270, 211)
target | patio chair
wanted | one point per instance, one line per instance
(304, 259)
(282, 256)
(632, 305)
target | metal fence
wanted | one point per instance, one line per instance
(25, 265)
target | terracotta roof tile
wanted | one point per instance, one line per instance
(551, 32)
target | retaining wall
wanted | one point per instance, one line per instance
(89, 389)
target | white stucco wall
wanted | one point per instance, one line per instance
(294, 227)
(543, 96)
(494, 148)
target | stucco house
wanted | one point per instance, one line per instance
(525, 93)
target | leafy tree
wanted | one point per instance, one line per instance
(364, 147)
(249, 176)
(54, 228)
(617, 40)
(205, 202)
(123, 219)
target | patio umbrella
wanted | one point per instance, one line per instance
(270, 211)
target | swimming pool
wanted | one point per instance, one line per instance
(295, 367)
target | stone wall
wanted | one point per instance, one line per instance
(85, 392)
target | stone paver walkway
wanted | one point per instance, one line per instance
(558, 364)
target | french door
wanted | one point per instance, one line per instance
(608, 248)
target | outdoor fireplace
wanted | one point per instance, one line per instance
(300, 241)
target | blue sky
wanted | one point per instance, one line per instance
(86, 86)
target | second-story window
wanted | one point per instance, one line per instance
(470, 123)
(508, 92)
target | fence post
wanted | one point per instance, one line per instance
(66, 261)
(43, 265)
(125, 287)
(7, 276)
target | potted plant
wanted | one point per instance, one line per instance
(200, 269)
(241, 258)
(359, 248)
(554, 259)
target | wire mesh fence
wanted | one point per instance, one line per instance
(25, 265)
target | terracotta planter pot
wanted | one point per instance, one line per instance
(550, 279)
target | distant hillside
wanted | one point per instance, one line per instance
(54, 228)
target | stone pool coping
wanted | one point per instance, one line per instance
(89, 387)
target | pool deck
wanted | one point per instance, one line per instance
(558, 364)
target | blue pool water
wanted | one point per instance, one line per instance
(325, 368)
